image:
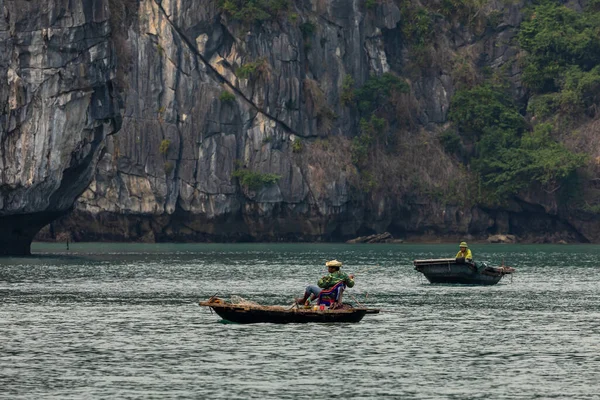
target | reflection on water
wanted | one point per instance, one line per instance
(121, 321)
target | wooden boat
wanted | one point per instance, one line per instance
(255, 313)
(448, 270)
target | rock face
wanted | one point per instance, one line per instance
(57, 108)
(192, 119)
(238, 130)
(168, 174)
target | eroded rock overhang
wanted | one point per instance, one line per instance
(58, 106)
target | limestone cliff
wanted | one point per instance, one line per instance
(58, 106)
(168, 174)
(241, 127)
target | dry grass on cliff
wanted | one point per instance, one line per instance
(586, 140)
(318, 105)
(419, 165)
(329, 160)
(464, 71)
(406, 108)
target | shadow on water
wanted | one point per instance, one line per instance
(66, 256)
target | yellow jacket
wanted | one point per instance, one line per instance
(466, 255)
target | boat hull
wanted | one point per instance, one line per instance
(458, 274)
(450, 272)
(279, 315)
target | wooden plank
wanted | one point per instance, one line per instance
(437, 260)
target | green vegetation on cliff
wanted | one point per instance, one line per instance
(227, 97)
(250, 69)
(164, 147)
(377, 91)
(556, 39)
(370, 130)
(347, 94)
(509, 156)
(562, 66)
(417, 27)
(374, 101)
(297, 145)
(255, 180)
(254, 11)
(169, 167)
(561, 69)
(475, 111)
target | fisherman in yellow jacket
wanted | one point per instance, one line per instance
(464, 252)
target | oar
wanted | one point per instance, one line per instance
(362, 272)
(354, 298)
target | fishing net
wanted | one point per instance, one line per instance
(241, 301)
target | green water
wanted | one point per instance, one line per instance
(122, 321)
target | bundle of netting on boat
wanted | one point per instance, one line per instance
(241, 301)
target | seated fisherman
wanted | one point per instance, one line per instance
(465, 253)
(335, 275)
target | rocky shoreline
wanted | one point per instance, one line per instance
(384, 238)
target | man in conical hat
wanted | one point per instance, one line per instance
(335, 275)
(464, 252)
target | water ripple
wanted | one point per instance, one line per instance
(122, 321)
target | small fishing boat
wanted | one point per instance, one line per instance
(250, 313)
(451, 270)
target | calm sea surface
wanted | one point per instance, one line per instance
(119, 321)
